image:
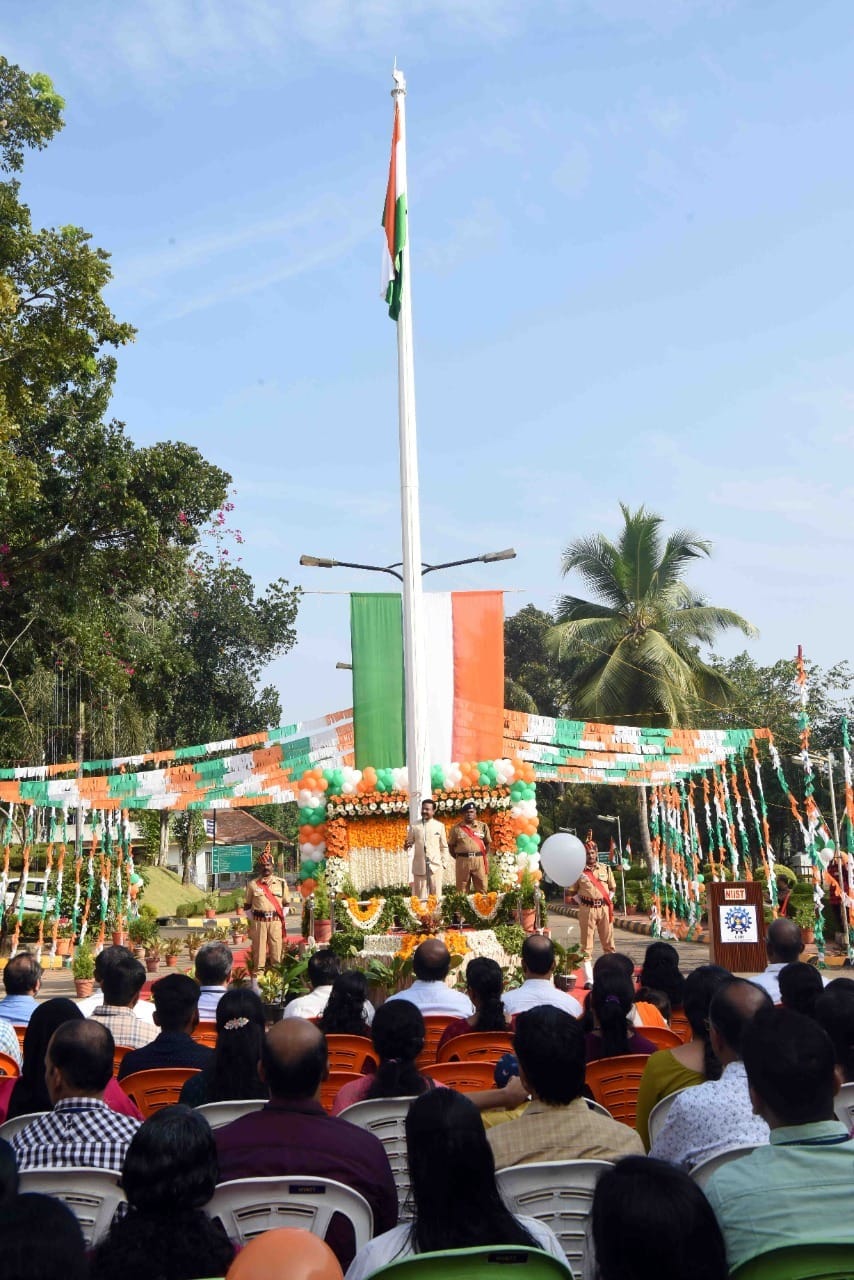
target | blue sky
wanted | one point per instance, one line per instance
(631, 234)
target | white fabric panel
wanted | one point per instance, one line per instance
(437, 619)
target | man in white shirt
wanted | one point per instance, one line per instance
(710, 1117)
(143, 1009)
(538, 962)
(323, 969)
(784, 943)
(429, 844)
(431, 965)
(213, 970)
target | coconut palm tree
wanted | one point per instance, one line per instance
(637, 645)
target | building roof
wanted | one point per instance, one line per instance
(236, 826)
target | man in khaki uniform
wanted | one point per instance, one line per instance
(429, 846)
(267, 898)
(593, 891)
(469, 844)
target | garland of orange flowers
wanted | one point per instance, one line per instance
(337, 838)
(503, 833)
(485, 905)
(387, 833)
(364, 917)
(454, 941)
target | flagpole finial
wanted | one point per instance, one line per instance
(399, 80)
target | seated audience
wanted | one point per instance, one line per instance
(213, 970)
(783, 944)
(9, 1043)
(8, 1172)
(232, 1072)
(538, 962)
(121, 984)
(834, 1012)
(42, 1240)
(660, 970)
(397, 1033)
(294, 1135)
(81, 1130)
(22, 978)
(611, 1004)
(345, 1013)
(557, 1124)
(457, 1204)
(431, 964)
(169, 1175)
(650, 1221)
(323, 968)
(484, 985)
(670, 1070)
(800, 986)
(648, 996)
(796, 1189)
(30, 1092)
(176, 1013)
(645, 1013)
(718, 1114)
(143, 1009)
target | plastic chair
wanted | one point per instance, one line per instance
(247, 1207)
(386, 1119)
(465, 1077)
(680, 1024)
(219, 1113)
(484, 1263)
(286, 1253)
(614, 1083)
(205, 1033)
(151, 1090)
(10, 1127)
(333, 1082)
(658, 1115)
(843, 1105)
(704, 1170)
(800, 1262)
(476, 1046)
(119, 1052)
(351, 1053)
(434, 1029)
(8, 1065)
(20, 1032)
(92, 1195)
(558, 1193)
(661, 1037)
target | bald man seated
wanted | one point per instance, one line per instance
(784, 943)
(293, 1135)
(431, 964)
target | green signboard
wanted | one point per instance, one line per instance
(231, 858)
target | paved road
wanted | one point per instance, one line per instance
(691, 955)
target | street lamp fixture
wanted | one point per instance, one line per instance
(343, 666)
(325, 562)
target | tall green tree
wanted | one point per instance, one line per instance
(637, 644)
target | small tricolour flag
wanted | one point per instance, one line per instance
(394, 219)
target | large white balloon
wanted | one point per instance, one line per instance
(562, 858)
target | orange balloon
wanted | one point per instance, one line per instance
(286, 1253)
(307, 886)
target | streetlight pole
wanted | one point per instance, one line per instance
(615, 817)
(829, 761)
(326, 562)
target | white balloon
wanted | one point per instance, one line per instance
(562, 857)
(348, 788)
(827, 854)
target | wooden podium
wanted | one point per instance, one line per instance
(737, 926)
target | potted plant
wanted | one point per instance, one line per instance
(65, 939)
(804, 914)
(153, 950)
(192, 942)
(569, 958)
(210, 900)
(322, 911)
(83, 970)
(140, 933)
(526, 901)
(173, 950)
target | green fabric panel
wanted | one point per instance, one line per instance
(376, 641)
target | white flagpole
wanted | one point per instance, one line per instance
(417, 748)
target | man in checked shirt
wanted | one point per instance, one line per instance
(81, 1131)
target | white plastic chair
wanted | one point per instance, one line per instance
(559, 1193)
(704, 1170)
(219, 1113)
(658, 1115)
(843, 1105)
(10, 1127)
(386, 1118)
(92, 1195)
(247, 1207)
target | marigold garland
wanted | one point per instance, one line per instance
(454, 941)
(363, 917)
(485, 905)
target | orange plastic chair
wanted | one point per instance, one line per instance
(151, 1090)
(205, 1033)
(118, 1053)
(661, 1037)
(8, 1065)
(434, 1027)
(680, 1024)
(465, 1077)
(351, 1053)
(20, 1032)
(614, 1083)
(333, 1082)
(476, 1046)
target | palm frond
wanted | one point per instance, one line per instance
(640, 548)
(598, 562)
(607, 691)
(587, 636)
(572, 608)
(517, 698)
(682, 546)
(704, 622)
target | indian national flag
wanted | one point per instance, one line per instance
(464, 664)
(394, 220)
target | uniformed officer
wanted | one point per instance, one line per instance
(429, 846)
(469, 844)
(593, 891)
(267, 900)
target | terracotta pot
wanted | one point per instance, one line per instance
(84, 987)
(118, 938)
(139, 954)
(322, 930)
(529, 915)
(808, 935)
(210, 913)
(171, 962)
(64, 946)
(565, 981)
(152, 963)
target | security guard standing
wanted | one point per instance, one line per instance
(593, 891)
(267, 900)
(469, 844)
